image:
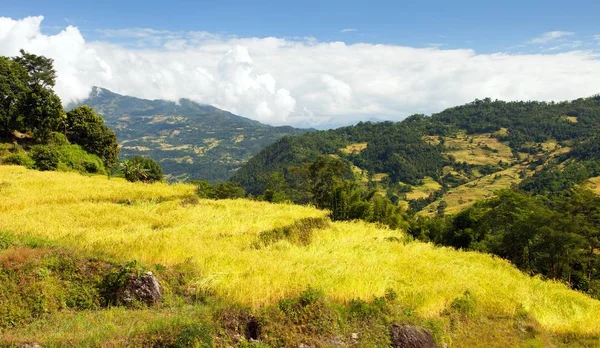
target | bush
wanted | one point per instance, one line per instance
(222, 190)
(73, 157)
(58, 139)
(142, 169)
(45, 157)
(465, 305)
(20, 159)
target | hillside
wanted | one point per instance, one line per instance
(218, 258)
(463, 153)
(190, 140)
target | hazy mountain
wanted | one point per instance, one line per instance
(190, 140)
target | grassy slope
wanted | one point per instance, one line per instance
(162, 224)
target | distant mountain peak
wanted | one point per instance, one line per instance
(189, 139)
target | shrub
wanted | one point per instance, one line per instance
(45, 157)
(228, 190)
(73, 157)
(58, 139)
(20, 159)
(142, 169)
(465, 305)
(115, 280)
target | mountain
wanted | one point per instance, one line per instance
(189, 140)
(456, 156)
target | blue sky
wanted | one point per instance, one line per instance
(486, 26)
(314, 63)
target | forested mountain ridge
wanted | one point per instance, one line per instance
(189, 140)
(483, 144)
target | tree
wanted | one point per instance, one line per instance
(12, 90)
(142, 169)
(28, 102)
(85, 128)
(40, 69)
(228, 190)
(42, 113)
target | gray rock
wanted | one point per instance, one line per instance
(145, 289)
(30, 345)
(408, 336)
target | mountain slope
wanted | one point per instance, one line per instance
(255, 254)
(190, 141)
(486, 142)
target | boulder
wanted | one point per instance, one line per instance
(408, 336)
(145, 289)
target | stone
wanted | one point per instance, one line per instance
(408, 336)
(145, 289)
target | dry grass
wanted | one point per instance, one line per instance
(346, 260)
(428, 187)
(464, 196)
(594, 184)
(354, 148)
(572, 119)
(480, 149)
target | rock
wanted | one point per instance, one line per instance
(30, 345)
(408, 336)
(337, 342)
(354, 336)
(144, 289)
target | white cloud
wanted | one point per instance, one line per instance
(550, 36)
(348, 30)
(303, 82)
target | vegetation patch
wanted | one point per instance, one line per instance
(478, 149)
(354, 148)
(299, 233)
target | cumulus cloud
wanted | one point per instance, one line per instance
(300, 82)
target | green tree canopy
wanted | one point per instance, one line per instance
(85, 128)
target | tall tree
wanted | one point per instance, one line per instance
(13, 87)
(40, 69)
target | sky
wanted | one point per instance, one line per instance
(314, 63)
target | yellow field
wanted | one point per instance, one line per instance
(478, 149)
(423, 191)
(594, 184)
(464, 196)
(161, 224)
(572, 119)
(354, 148)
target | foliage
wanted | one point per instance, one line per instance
(142, 169)
(44, 157)
(40, 69)
(30, 110)
(66, 158)
(12, 89)
(555, 236)
(87, 129)
(115, 280)
(222, 190)
(20, 159)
